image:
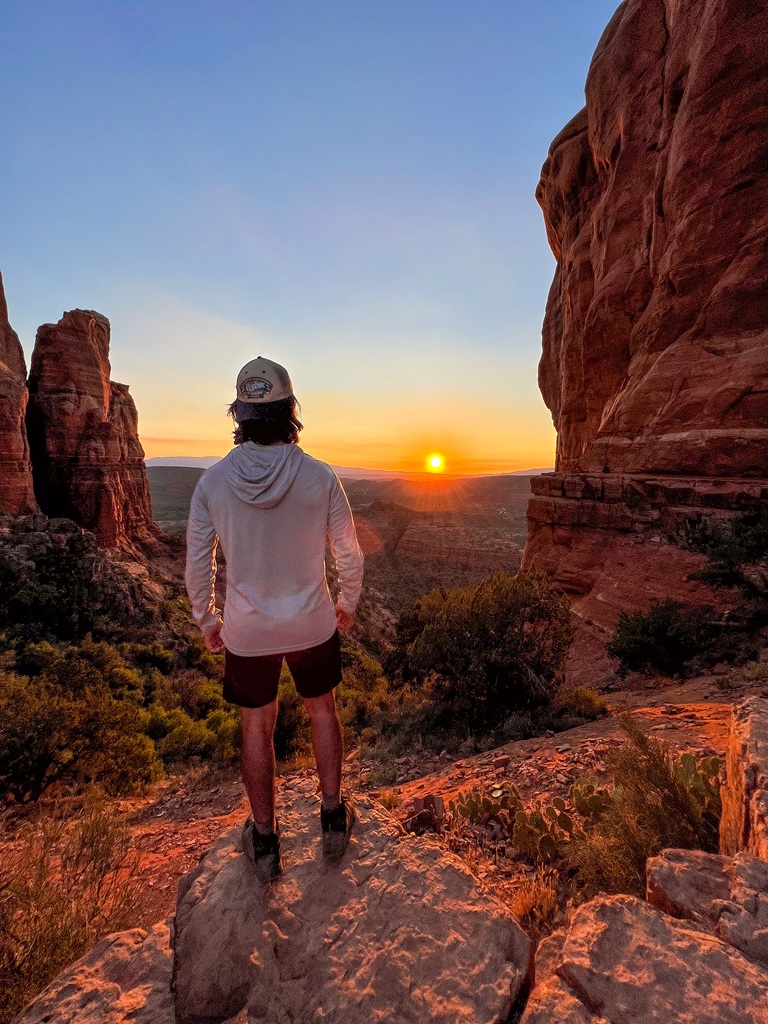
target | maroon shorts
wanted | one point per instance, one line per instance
(253, 682)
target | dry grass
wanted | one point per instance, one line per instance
(390, 799)
(64, 883)
(660, 800)
(537, 902)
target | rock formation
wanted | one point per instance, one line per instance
(88, 463)
(16, 492)
(655, 199)
(398, 931)
(697, 950)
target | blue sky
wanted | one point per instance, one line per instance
(345, 187)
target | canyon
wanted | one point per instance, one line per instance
(655, 200)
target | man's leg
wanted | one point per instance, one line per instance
(327, 746)
(257, 762)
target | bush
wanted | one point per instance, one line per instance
(730, 545)
(663, 639)
(660, 800)
(48, 593)
(487, 650)
(64, 885)
(51, 736)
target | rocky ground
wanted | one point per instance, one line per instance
(175, 825)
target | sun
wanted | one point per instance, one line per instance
(435, 463)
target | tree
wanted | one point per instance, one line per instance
(488, 649)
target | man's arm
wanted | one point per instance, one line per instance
(200, 575)
(346, 552)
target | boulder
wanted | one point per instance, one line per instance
(16, 490)
(124, 979)
(728, 895)
(398, 931)
(744, 821)
(627, 963)
(87, 459)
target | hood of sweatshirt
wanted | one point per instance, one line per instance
(262, 474)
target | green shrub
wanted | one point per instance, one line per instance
(292, 732)
(63, 885)
(660, 800)
(487, 650)
(730, 545)
(663, 639)
(49, 736)
(186, 738)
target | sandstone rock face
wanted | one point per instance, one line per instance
(125, 977)
(399, 931)
(625, 962)
(615, 542)
(16, 491)
(744, 822)
(728, 895)
(656, 326)
(656, 206)
(87, 459)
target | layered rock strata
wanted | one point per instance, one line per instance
(656, 330)
(16, 490)
(88, 463)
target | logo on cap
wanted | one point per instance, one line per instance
(255, 387)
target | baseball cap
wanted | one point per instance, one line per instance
(262, 380)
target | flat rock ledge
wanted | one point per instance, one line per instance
(400, 931)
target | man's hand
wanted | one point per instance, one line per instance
(213, 640)
(343, 619)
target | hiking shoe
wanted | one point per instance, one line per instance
(263, 850)
(336, 826)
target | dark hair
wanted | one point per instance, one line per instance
(268, 423)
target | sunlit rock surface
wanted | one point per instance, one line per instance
(654, 366)
(83, 430)
(16, 492)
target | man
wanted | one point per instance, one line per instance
(270, 506)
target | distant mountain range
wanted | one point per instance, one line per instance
(348, 472)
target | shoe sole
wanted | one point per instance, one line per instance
(335, 843)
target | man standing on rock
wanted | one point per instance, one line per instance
(271, 506)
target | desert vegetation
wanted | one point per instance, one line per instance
(66, 880)
(672, 638)
(600, 837)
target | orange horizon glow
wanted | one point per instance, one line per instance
(368, 432)
(410, 464)
(435, 463)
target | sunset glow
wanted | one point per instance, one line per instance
(435, 463)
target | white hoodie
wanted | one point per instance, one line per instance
(271, 508)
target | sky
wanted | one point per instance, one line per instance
(346, 187)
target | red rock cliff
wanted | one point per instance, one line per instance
(655, 340)
(87, 458)
(16, 492)
(655, 198)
